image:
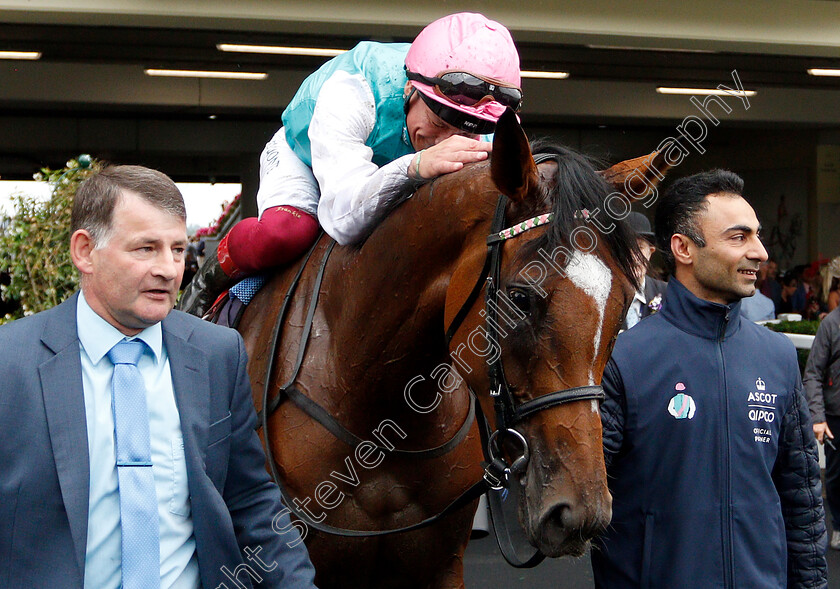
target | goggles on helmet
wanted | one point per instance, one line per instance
(469, 90)
(456, 118)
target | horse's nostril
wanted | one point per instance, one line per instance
(568, 517)
(562, 516)
(566, 528)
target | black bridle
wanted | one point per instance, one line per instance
(508, 412)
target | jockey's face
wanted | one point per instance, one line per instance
(425, 128)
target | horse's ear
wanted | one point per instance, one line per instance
(511, 163)
(638, 177)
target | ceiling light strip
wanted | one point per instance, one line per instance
(824, 72)
(544, 75)
(206, 74)
(704, 91)
(656, 49)
(20, 55)
(323, 52)
(279, 50)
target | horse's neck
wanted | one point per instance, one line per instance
(393, 288)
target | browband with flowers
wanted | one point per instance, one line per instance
(520, 228)
(531, 223)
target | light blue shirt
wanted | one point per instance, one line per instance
(758, 307)
(178, 561)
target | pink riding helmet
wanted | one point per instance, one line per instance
(470, 43)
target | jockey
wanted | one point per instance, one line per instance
(365, 124)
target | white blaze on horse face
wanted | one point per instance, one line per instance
(593, 277)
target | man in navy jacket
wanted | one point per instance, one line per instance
(219, 517)
(710, 453)
(649, 296)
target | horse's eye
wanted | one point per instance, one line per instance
(519, 297)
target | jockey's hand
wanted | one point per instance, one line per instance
(821, 431)
(449, 155)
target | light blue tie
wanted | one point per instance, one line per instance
(138, 501)
(634, 313)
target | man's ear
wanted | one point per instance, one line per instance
(81, 248)
(681, 249)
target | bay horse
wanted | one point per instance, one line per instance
(378, 361)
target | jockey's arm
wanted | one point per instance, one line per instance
(354, 190)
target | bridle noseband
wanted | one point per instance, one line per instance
(508, 413)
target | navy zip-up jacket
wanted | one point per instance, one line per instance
(711, 457)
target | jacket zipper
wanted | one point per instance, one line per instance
(728, 572)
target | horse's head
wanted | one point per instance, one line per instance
(546, 325)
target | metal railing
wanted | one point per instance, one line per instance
(801, 341)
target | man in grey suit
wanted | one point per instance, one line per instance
(71, 503)
(649, 297)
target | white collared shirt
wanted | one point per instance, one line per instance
(350, 190)
(178, 561)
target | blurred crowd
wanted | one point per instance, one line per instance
(810, 290)
(193, 259)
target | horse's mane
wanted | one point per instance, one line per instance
(579, 187)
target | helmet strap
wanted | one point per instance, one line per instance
(408, 99)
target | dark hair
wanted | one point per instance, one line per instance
(96, 198)
(684, 200)
(578, 187)
(789, 278)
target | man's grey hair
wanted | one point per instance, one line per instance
(97, 197)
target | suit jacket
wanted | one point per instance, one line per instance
(45, 471)
(653, 287)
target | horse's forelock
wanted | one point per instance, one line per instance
(578, 187)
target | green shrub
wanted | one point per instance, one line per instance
(35, 242)
(802, 327)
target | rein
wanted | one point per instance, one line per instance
(323, 417)
(309, 406)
